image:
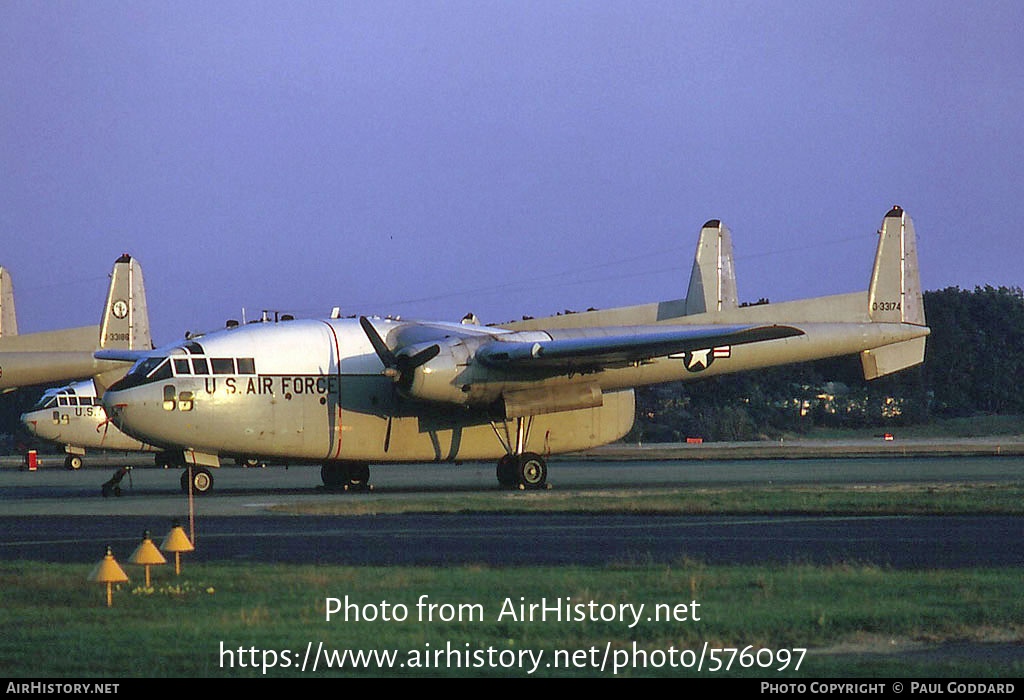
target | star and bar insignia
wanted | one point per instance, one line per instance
(700, 360)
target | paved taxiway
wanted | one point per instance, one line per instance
(54, 515)
(542, 539)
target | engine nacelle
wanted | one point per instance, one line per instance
(452, 376)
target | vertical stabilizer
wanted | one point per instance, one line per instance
(713, 278)
(895, 292)
(125, 322)
(8, 321)
(895, 295)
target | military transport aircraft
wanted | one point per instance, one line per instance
(63, 355)
(350, 392)
(74, 416)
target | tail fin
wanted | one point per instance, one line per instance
(895, 292)
(895, 295)
(713, 278)
(125, 324)
(8, 321)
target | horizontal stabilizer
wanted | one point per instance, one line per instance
(122, 355)
(641, 344)
(892, 358)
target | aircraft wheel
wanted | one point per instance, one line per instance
(358, 477)
(73, 462)
(350, 476)
(531, 471)
(332, 476)
(507, 471)
(202, 480)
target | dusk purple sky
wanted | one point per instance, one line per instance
(507, 158)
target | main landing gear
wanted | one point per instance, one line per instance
(520, 469)
(346, 476)
(525, 471)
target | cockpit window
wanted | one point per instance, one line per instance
(200, 366)
(223, 365)
(195, 349)
(161, 372)
(246, 365)
(182, 367)
(151, 369)
(146, 366)
(45, 402)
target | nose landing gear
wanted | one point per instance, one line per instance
(202, 480)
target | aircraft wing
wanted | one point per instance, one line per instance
(631, 345)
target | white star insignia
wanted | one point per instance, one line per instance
(699, 357)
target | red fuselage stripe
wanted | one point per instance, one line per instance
(337, 361)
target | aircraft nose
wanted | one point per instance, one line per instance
(29, 422)
(113, 404)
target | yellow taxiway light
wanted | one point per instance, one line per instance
(177, 541)
(146, 554)
(109, 572)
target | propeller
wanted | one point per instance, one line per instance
(401, 366)
(398, 367)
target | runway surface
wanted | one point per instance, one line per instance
(539, 539)
(55, 515)
(237, 491)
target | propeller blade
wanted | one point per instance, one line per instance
(408, 363)
(379, 346)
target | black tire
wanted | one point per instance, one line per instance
(531, 471)
(202, 480)
(358, 475)
(506, 471)
(332, 475)
(350, 476)
(73, 462)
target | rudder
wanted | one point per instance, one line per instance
(8, 320)
(713, 278)
(895, 295)
(895, 292)
(125, 324)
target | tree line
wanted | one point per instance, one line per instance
(974, 364)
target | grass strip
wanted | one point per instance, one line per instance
(856, 620)
(988, 498)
